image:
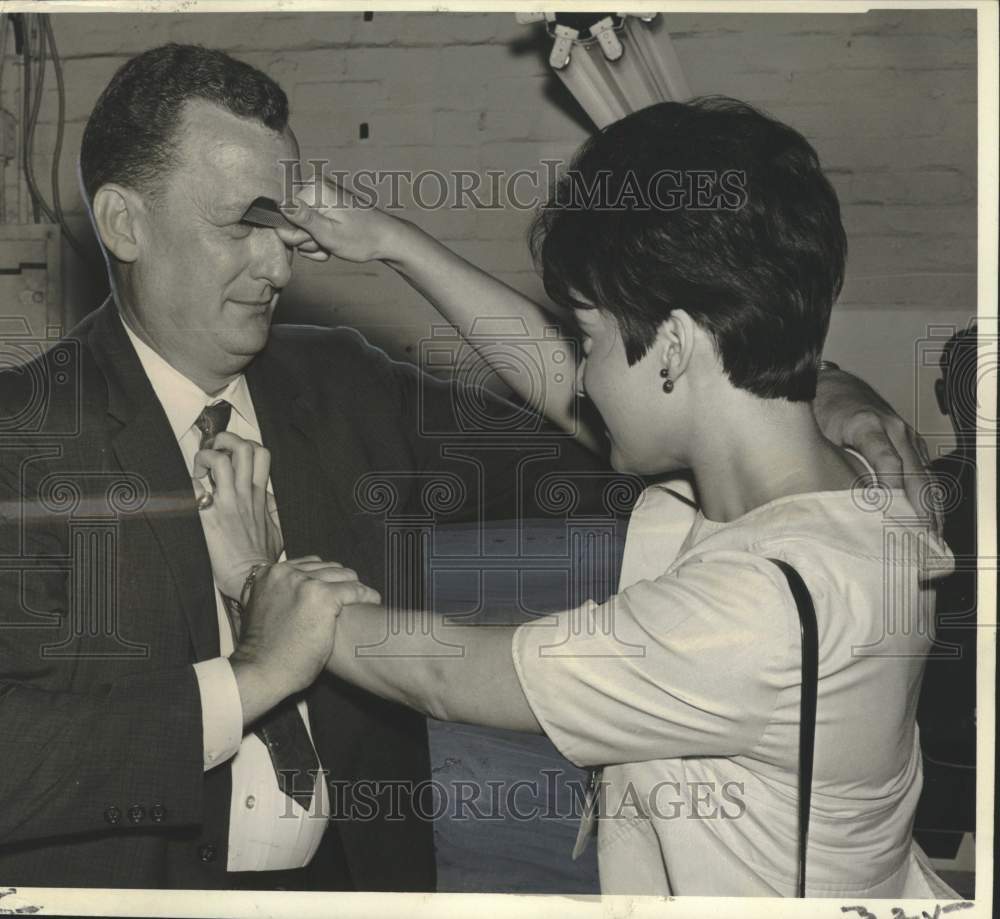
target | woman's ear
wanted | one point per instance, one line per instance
(117, 211)
(675, 343)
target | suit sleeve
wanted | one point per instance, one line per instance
(77, 762)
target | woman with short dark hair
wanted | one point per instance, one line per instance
(701, 269)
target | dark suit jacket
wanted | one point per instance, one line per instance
(106, 599)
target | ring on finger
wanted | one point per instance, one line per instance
(205, 501)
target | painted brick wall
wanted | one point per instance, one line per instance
(888, 98)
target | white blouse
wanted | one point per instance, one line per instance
(685, 688)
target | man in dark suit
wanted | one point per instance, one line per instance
(125, 761)
(946, 712)
(146, 742)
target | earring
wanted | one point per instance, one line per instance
(668, 384)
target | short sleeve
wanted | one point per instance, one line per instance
(689, 664)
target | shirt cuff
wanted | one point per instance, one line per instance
(221, 711)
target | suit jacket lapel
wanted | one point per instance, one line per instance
(313, 472)
(144, 444)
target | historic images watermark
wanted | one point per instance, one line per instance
(553, 183)
(554, 795)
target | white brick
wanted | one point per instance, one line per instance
(121, 34)
(887, 98)
(402, 29)
(490, 61)
(952, 150)
(389, 63)
(945, 291)
(908, 221)
(514, 156)
(327, 100)
(85, 81)
(937, 186)
(469, 128)
(875, 256)
(385, 129)
(508, 225)
(306, 66)
(262, 32)
(517, 92)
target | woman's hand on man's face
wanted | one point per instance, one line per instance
(331, 220)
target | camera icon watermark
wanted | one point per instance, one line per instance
(439, 577)
(963, 360)
(495, 355)
(36, 375)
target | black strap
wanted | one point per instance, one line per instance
(807, 718)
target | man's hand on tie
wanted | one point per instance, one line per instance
(239, 529)
(287, 626)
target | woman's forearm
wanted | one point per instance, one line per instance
(464, 294)
(366, 654)
(451, 673)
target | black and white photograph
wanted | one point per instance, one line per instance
(505, 458)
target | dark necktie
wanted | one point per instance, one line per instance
(213, 418)
(282, 729)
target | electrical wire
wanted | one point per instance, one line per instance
(4, 27)
(36, 107)
(4, 23)
(27, 106)
(60, 131)
(33, 92)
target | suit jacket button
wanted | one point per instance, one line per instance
(136, 813)
(158, 813)
(207, 853)
(113, 815)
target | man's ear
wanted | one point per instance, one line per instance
(942, 396)
(117, 211)
(675, 342)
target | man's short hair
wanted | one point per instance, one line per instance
(130, 137)
(960, 374)
(958, 357)
(711, 207)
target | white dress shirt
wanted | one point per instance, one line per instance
(268, 831)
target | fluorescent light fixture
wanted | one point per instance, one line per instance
(614, 64)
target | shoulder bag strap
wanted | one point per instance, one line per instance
(807, 720)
